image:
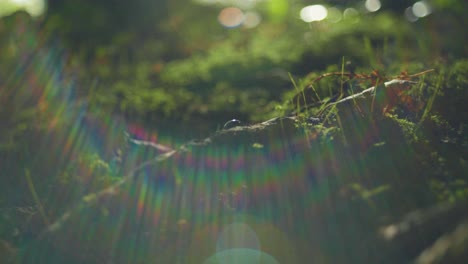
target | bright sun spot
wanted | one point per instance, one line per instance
(313, 13)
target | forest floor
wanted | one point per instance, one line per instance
(378, 176)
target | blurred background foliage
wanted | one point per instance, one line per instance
(184, 63)
(174, 60)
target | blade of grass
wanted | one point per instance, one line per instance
(428, 107)
(298, 91)
(342, 76)
(35, 196)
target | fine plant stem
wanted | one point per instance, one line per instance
(377, 84)
(298, 91)
(341, 128)
(342, 76)
(339, 98)
(315, 91)
(35, 196)
(420, 73)
(428, 107)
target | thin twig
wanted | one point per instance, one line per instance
(366, 91)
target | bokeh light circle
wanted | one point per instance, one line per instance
(251, 19)
(241, 255)
(372, 5)
(410, 15)
(351, 15)
(237, 235)
(421, 9)
(334, 15)
(231, 17)
(313, 13)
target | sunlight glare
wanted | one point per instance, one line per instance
(313, 13)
